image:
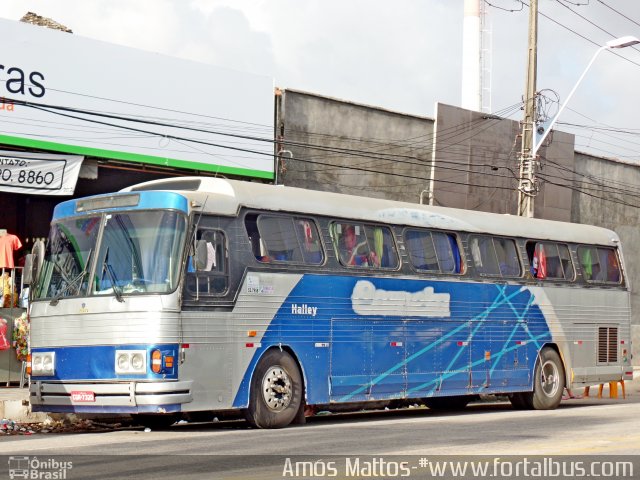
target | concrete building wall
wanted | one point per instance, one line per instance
(476, 165)
(345, 147)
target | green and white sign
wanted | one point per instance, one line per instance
(74, 95)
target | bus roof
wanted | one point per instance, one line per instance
(226, 197)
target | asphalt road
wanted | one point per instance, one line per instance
(603, 428)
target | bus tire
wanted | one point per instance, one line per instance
(275, 396)
(457, 402)
(548, 382)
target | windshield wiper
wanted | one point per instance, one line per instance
(71, 283)
(112, 276)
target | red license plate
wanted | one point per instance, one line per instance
(83, 396)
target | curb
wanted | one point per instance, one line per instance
(19, 410)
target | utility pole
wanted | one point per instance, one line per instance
(527, 186)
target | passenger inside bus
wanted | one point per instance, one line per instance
(355, 250)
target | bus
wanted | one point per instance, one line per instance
(186, 296)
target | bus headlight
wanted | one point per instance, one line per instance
(131, 361)
(43, 363)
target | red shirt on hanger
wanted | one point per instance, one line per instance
(8, 243)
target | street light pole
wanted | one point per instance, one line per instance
(526, 189)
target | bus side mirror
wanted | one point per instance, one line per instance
(201, 255)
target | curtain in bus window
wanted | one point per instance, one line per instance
(566, 265)
(422, 253)
(475, 253)
(484, 256)
(310, 239)
(586, 262)
(381, 247)
(378, 242)
(390, 254)
(539, 263)
(507, 257)
(613, 268)
(455, 252)
(554, 266)
(446, 260)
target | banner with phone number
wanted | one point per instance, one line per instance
(39, 173)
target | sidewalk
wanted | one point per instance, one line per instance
(14, 405)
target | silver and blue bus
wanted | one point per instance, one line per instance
(187, 296)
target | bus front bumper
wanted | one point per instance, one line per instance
(116, 397)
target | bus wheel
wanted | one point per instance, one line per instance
(548, 382)
(276, 391)
(448, 403)
(155, 421)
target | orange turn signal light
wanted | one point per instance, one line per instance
(156, 361)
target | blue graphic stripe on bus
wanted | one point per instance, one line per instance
(480, 319)
(520, 318)
(148, 200)
(99, 363)
(422, 338)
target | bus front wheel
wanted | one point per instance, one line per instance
(548, 382)
(276, 391)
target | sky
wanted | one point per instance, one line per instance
(404, 55)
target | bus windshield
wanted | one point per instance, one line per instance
(113, 254)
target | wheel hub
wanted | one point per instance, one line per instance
(276, 389)
(550, 379)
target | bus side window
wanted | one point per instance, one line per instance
(289, 239)
(365, 246)
(495, 256)
(599, 264)
(433, 251)
(207, 271)
(550, 260)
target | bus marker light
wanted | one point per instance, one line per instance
(487, 354)
(321, 344)
(168, 361)
(579, 342)
(185, 345)
(396, 344)
(251, 333)
(253, 345)
(156, 361)
(463, 344)
(29, 364)
(521, 342)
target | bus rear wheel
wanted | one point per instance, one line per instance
(276, 391)
(548, 382)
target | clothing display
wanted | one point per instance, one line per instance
(8, 244)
